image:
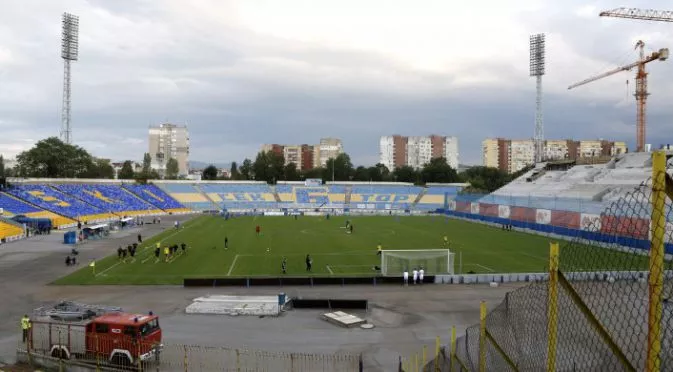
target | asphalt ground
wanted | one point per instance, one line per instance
(405, 318)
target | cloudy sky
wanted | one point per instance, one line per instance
(243, 73)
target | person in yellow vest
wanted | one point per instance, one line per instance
(446, 241)
(158, 245)
(379, 248)
(25, 327)
(167, 253)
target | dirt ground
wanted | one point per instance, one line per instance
(405, 318)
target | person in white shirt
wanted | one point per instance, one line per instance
(421, 272)
(415, 273)
(406, 277)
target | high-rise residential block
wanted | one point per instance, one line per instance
(397, 151)
(307, 156)
(168, 141)
(513, 155)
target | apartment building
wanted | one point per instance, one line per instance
(169, 141)
(513, 155)
(307, 156)
(397, 151)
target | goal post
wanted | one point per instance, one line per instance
(433, 261)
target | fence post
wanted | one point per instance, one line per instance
(656, 279)
(452, 354)
(552, 309)
(482, 337)
(437, 341)
(425, 356)
(416, 362)
(238, 361)
(185, 358)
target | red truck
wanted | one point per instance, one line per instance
(115, 337)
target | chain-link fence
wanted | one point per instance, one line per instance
(596, 310)
(61, 345)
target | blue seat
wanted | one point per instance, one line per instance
(154, 195)
(55, 201)
(109, 198)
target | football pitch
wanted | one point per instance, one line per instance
(479, 248)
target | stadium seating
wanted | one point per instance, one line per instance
(240, 195)
(50, 199)
(9, 231)
(110, 198)
(317, 196)
(13, 206)
(187, 195)
(337, 194)
(434, 196)
(286, 193)
(384, 196)
(157, 197)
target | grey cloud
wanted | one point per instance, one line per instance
(143, 64)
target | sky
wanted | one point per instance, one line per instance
(243, 73)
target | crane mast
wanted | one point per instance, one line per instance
(641, 87)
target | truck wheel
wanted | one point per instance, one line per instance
(121, 360)
(59, 353)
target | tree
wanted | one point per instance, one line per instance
(379, 173)
(485, 179)
(53, 158)
(314, 173)
(339, 168)
(126, 173)
(437, 170)
(268, 166)
(2, 167)
(290, 172)
(233, 173)
(147, 166)
(172, 169)
(405, 173)
(210, 173)
(245, 171)
(100, 168)
(361, 174)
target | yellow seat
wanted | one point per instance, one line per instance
(9, 230)
(56, 220)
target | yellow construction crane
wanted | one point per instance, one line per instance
(641, 87)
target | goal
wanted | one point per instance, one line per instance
(433, 261)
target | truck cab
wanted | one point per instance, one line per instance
(124, 338)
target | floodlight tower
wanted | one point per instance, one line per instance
(69, 53)
(537, 64)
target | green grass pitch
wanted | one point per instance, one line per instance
(482, 249)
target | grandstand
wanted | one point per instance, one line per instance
(12, 206)
(187, 194)
(384, 195)
(50, 199)
(240, 195)
(568, 201)
(110, 198)
(157, 197)
(10, 231)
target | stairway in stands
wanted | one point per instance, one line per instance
(275, 194)
(213, 202)
(419, 197)
(347, 198)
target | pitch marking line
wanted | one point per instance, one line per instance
(329, 269)
(233, 264)
(485, 267)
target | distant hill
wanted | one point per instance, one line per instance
(195, 164)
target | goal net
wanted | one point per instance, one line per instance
(433, 261)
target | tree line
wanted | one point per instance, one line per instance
(271, 168)
(52, 158)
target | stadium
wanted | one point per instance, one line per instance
(600, 213)
(555, 255)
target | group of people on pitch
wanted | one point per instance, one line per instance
(417, 275)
